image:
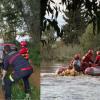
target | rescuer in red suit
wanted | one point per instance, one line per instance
(97, 60)
(87, 60)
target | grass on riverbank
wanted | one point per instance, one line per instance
(19, 94)
(61, 52)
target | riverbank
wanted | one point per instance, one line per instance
(35, 78)
(60, 52)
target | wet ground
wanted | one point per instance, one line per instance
(68, 87)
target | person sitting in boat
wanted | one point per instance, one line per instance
(77, 62)
(95, 69)
(97, 60)
(87, 60)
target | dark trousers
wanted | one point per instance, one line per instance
(26, 84)
(16, 77)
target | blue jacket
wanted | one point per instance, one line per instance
(16, 60)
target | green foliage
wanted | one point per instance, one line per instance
(19, 15)
(10, 13)
(91, 8)
(35, 93)
(75, 27)
(19, 94)
(34, 52)
(89, 39)
(96, 42)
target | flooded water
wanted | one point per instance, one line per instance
(68, 87)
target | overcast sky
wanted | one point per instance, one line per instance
(60, 18)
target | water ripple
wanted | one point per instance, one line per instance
(70, 88)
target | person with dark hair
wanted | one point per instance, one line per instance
(20, 69)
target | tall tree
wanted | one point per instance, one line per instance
(30, 10)
(10, 18)
(23, 12)
(76, 24)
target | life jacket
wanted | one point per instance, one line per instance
(87, 58)
(86, 62)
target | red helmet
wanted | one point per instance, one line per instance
(77, 56)
(23, 43)
(98, 52)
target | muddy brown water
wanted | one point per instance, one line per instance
(68, 87)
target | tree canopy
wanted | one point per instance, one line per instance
(20, 15)
(92, 11)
